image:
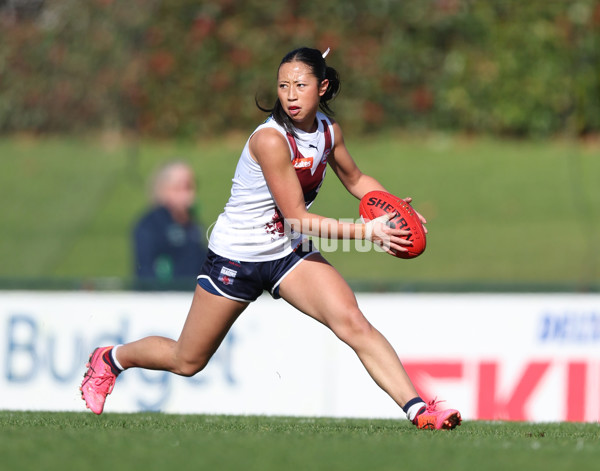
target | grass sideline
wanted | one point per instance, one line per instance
(502, 211)
(153, 441)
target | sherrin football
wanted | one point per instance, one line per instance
(377, 203)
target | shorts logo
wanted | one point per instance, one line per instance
(227, 276)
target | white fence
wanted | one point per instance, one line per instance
(510, 356)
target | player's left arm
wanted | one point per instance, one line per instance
(344, 166)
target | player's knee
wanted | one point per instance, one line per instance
(352, 327)
(190, 368)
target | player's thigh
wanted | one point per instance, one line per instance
(208, 321)
(316, 288)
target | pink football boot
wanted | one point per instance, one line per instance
(431, 418)
(98, 381)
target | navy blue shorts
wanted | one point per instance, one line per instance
(245, 281)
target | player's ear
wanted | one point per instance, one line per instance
(323, 87)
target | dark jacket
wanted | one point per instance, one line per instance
(165, 249)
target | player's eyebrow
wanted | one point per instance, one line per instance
(302, 78)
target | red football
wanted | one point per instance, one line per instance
(377, 203)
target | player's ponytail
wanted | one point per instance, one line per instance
(316, 61)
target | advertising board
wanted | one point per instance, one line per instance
(532, 357)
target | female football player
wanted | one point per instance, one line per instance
(259, 243)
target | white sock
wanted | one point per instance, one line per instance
(113, 355)
(412, 411)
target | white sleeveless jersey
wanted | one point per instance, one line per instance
(251, 228)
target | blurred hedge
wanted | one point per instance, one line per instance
(184, 68)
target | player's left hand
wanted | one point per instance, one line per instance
(408, 199)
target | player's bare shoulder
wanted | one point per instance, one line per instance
(267, 143)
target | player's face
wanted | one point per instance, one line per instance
(299, 92)
(179, 191)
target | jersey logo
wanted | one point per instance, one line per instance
(303, 162)
(275, 227)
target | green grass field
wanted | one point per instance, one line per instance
(150, 441)
(499, 211)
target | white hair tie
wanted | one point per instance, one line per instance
(326, 52)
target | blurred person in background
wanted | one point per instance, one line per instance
(168, 241)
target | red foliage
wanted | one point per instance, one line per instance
(202, 27)
(373, 113)
(422, 99)
(162, 63)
